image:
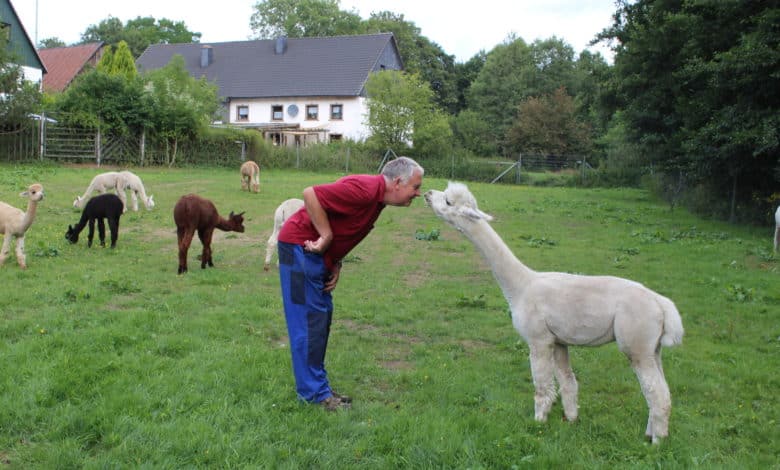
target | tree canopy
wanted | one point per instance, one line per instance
(699, 87)
(139, 33)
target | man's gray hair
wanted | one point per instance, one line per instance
(403, 167)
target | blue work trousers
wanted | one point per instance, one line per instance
(308, 312)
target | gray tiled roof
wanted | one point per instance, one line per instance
(326, 66)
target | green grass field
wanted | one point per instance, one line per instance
(109, 359)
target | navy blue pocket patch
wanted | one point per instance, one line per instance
(319, 330)
(286, 254)
(297, 287)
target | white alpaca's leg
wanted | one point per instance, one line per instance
(20, 257)
(271, 247)
(777, 237)
(6, 248)
(134, 195)
(542, 370)
(567, 381)
(656, 392)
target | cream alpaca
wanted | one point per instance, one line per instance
(100, 183)
(777, 228)
(552, 311)
(14, 223)
(129, 180)
(250, 176)
(282, 213)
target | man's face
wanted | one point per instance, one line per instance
(404, 193)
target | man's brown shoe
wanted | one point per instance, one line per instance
(343, 398)
(333, 403)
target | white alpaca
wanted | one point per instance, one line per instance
(282, 213)
(250, 176)
(777, 228)
(129, 180)
(552, 311)
(14, 223)
(100, 183)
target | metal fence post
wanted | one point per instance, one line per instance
(97, 146)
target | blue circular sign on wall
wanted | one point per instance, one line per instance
(292, 110)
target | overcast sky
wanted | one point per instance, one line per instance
(461, 28)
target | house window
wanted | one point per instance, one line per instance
(5, 31)
(277, 113)
(312, 112)
(336, 112)
(335, 137)
(242, 113)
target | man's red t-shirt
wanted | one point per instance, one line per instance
(353, 203)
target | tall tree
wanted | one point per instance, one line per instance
(139, 33)
(420, 55)
(549, 125)
(48, 43)
(401, 112)
(700, 92)
(182, 105)
(302, 18)
(122, 62)
(514, 71)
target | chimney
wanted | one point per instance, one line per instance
(206, 56)
(281, 45)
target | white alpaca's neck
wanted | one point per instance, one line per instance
(29, 216)
(512, 275)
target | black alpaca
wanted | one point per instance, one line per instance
(104, 206)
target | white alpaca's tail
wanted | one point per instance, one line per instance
(673, 327)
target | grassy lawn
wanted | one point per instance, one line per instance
(109, 359)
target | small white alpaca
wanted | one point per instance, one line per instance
(777, 228)
(100, 183)
(129, 180)
(282, 213)
(553, 311)
(14, 223)
(250, 176)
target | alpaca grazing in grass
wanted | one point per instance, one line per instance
(193, 213)
(553, 311)
(250, 176)
(14, 223)
(777, 228)
(101, 183)
(130, 181)
(101, 207)
(281, 214)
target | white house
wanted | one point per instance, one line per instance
(294, 91)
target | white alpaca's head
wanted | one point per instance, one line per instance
(34, 192)
(456, 205)
(77, 201)
(149, 202)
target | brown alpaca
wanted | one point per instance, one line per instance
(250, 176)
(14, 223)
(192, 213)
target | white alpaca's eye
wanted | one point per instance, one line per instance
(447, 201)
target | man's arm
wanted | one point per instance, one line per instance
(319, 218)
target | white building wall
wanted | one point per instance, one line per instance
(351, 126)
(32, 74)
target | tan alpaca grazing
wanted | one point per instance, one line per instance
(14, 223)
(250, 176)
(553, 311)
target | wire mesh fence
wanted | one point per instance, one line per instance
(47, 139)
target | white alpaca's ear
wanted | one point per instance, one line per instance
(476, 214)
(24, 194)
